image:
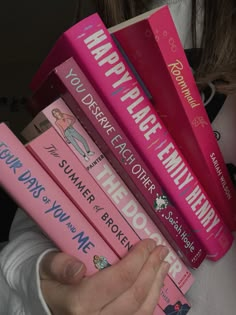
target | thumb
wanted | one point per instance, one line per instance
(62, 268)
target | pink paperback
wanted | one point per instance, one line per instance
(99, 167)
(68, 172)
(34, 191)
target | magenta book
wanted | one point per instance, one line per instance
(85, 149)
(112, 141)
(154, 49)
(34, 191)
(68, 172)
(92, 46)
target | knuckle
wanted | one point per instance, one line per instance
(139, 294)
(127, 277)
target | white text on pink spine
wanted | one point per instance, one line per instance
(101, 49)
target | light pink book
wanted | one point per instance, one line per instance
(69, 173)
(69, 81)
(71, 176)
(154, 49)
(37, 194)
(91, 45)
(94, 161)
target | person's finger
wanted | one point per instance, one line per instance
(106, 285)
(61, 267)
(150, 304)
(131, 301)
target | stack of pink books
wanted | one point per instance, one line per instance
(104, 164)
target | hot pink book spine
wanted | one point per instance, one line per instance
(158, 56)
(111, 183)
(34, 191)
(90, 43)
(69, 81)
(68, 172)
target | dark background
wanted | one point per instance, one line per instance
(28, 30)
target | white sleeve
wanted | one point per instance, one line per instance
(20, 291)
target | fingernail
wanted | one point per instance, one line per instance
(163, 253)
(73, 268)
(151, 246)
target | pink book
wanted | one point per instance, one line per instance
(69, 81)
(94, 161)
(91, 45)
(34, 191)
(69, 173)
(154, 49)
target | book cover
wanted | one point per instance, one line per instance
(35, 192)
(71, 176)
(60, 117)
(153, 47)
(68, 172)
(77, 90)
(93, 48)
(91, 45)
(149, 134)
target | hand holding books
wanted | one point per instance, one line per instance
(117, 289)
